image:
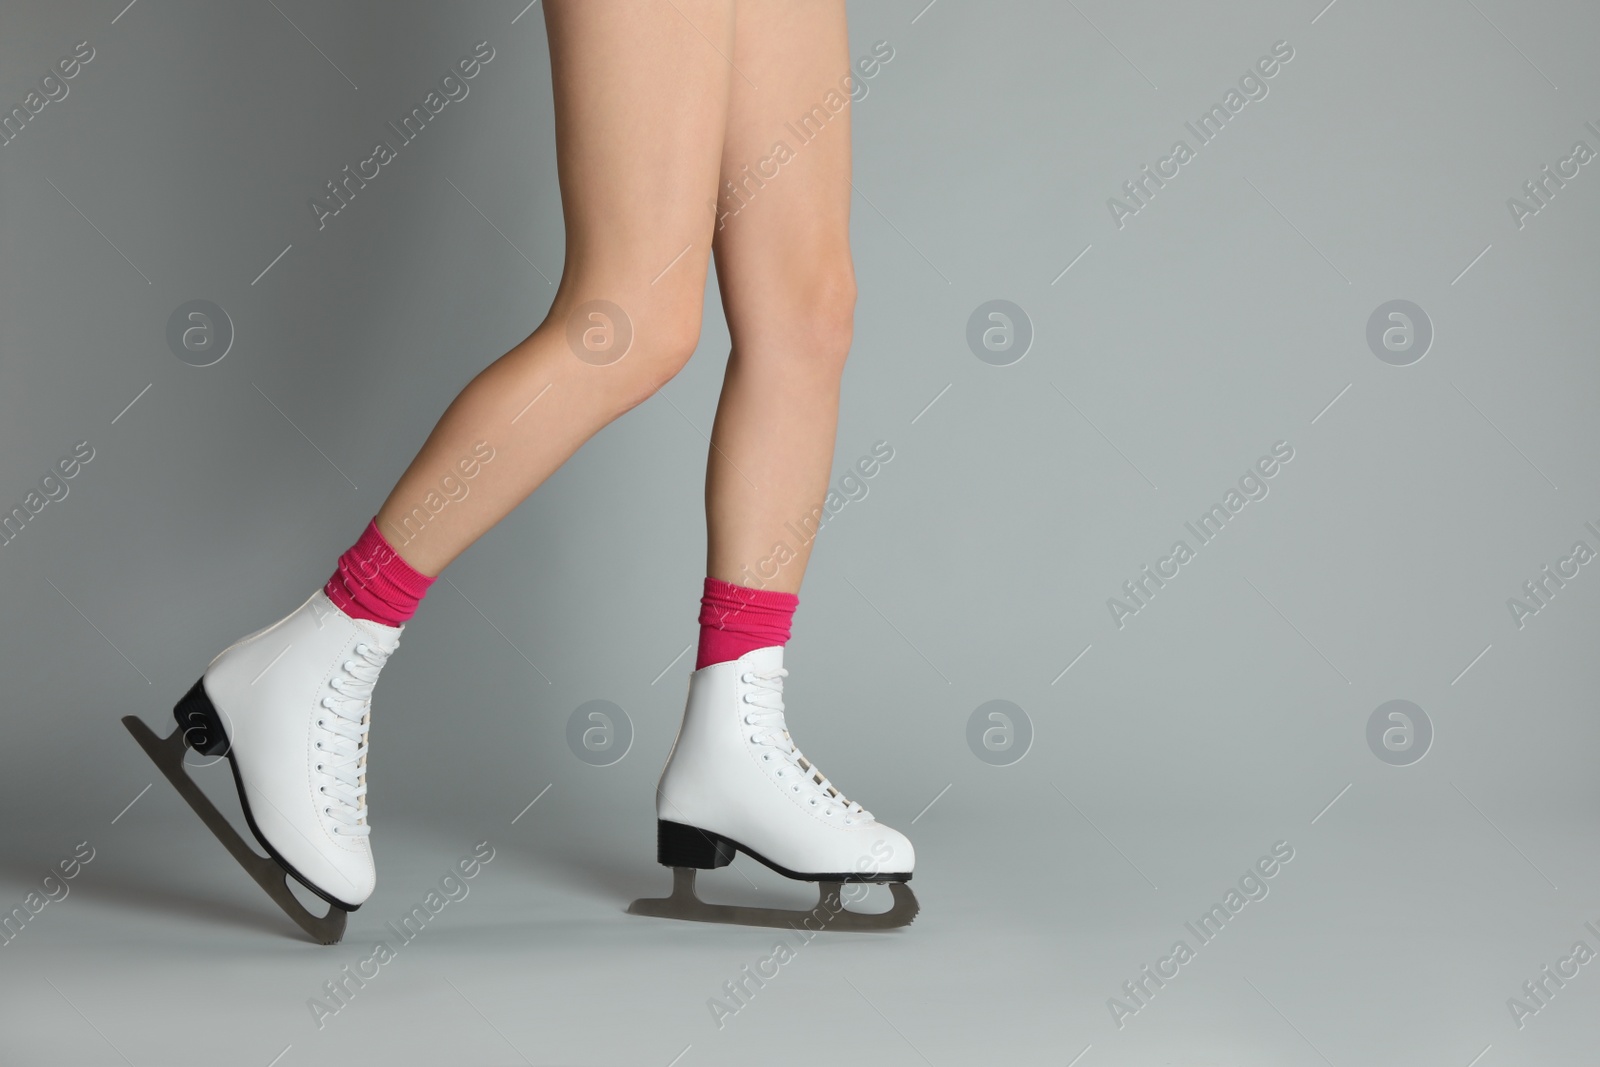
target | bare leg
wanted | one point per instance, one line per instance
(788, 288)
(641, 95)
(735, 780)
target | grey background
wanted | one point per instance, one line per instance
(1229, 714)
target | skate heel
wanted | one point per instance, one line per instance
(201, 725)
(678, 845)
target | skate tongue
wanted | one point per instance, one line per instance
(763, 659)
(385, 637)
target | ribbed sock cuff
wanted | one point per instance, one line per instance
(735, 619)
(372, 581)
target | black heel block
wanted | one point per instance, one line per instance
(678, 845)
(197, 717)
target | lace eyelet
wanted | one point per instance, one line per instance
(319, 766)
(327, 811)
(320, 722)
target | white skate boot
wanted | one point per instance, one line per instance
(735, 781)
(290, 707)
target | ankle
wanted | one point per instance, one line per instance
(736, 619)
(374, 583)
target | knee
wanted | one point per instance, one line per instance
(830, 299)
(812, 323)
(665, 335)
(633, 346)
(665, 338)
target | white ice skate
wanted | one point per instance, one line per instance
(290, 706)
(735, 781)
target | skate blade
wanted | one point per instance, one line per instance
(167, 754)
(829, 914)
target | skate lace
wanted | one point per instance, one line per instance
(764, 711)
(344, 749)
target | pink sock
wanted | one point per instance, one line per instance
(735, 619)
(372, 582)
